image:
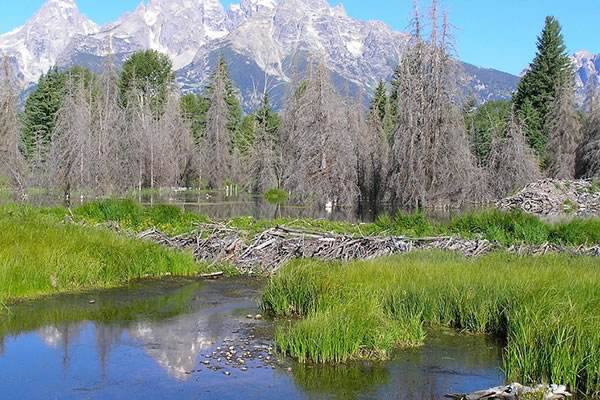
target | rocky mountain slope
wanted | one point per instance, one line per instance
(266, 42)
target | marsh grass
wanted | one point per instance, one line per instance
(132, 216)
(547, 309)
(40, 255)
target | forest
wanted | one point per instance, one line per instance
(420, 143)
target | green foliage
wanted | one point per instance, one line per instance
(244, 138)
(276, 196)
(484, 123)
(40, 255)
(149, 73)
(268, 119)
(42, 106)
(40, 112)
(550, 69)
(379, 104)
(547, 309)
(194, 108)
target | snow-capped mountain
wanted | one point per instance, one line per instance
(266, 43)
(35, 47)
(587, 71)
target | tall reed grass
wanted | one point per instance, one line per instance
(547, 309)
(40, 255)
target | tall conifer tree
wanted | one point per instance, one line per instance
(550, 69)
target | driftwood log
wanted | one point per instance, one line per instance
(516, 391)
(271, 249)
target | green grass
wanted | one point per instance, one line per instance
(40, 255)
(132, 216)
(547, 309)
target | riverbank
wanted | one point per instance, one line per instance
(546, 308)
(41, 255)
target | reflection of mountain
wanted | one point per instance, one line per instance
(176, 344)
(174, 348)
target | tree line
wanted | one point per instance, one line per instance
(418, 144)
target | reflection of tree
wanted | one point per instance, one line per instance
(106, 337)
(1, 345)
(343, 381)
(61, 336)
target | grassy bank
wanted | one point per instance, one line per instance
(40, 255)
(547, 309)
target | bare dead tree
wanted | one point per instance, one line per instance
(512, 164)
(564, 134)
(12, 165)
(178, 150)
(431, 161)
(320, 158)
(111, 171)
(217, 160)
(67, 163)
(588, 153)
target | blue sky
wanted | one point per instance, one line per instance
(499, 34)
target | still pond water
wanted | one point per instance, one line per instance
(183, 339)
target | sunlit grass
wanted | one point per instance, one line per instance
(546, 308)
(40, 255)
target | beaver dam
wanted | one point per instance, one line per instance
(275, 247)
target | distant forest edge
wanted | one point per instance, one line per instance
(420, 143)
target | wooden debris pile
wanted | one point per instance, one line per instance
(273, 248)
(552, 197)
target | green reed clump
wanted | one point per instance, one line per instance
(503, 227)
(131, 215)
(576, 232)
(408, 224)
(40, 255)
(546, 308)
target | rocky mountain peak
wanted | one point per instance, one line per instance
(263, 40)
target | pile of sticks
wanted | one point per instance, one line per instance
(552, 197)
(273, 248)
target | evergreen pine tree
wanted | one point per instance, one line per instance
(194, 108)
(40, 113)
(379, 104)
(41, 108)
(550, 69)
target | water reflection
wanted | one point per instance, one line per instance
(148, 341)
